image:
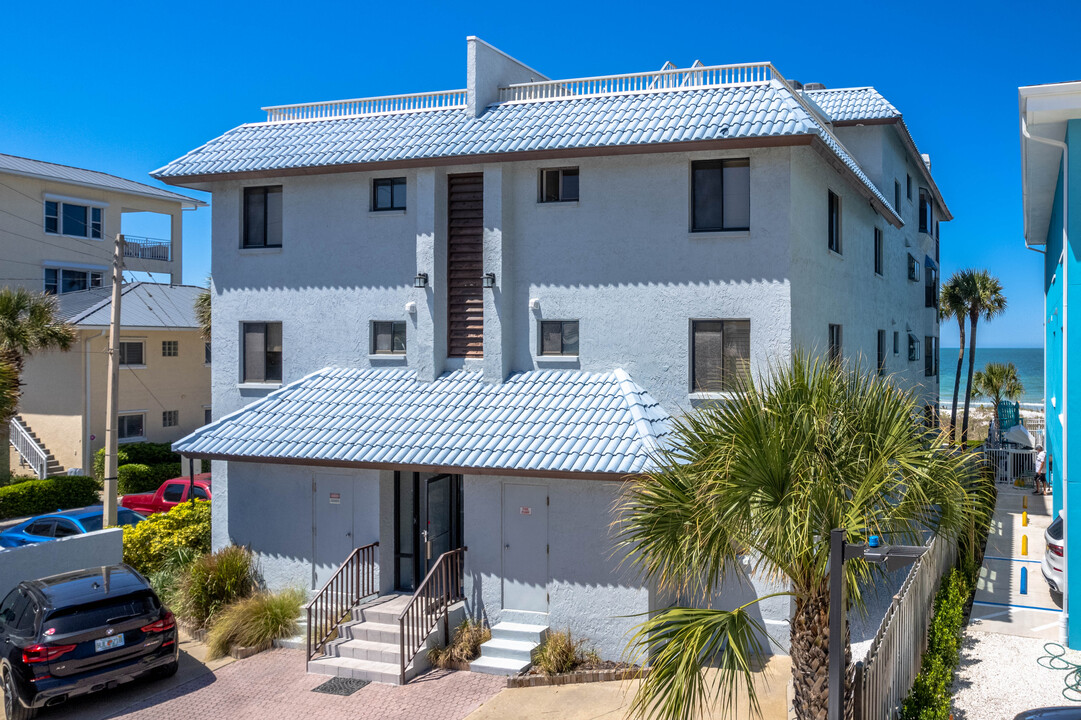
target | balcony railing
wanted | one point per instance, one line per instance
(385, 105)
(144, 248)
(675, 79)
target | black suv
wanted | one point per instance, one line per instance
(80, 632)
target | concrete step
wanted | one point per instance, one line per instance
(367, 650)
(356, 669)
(497, 666)
(520, 632)
(509, 649)
(372, 632)
(384, 610)
(298, 641)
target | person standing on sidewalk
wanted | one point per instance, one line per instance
(1041, 476)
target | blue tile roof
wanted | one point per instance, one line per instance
(644, 118)
(545, 421)
(846, 104)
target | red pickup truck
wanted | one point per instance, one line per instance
(169, 495)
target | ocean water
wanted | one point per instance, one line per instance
(1029, 363)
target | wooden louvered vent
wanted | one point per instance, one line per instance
(465, 265)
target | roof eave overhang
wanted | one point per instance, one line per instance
(1054, 102)
(186, 203)
(453, 469)
(880, 207)
(910, 145)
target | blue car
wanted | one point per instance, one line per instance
(62, 524)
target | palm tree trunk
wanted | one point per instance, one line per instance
(957, 377)
(810, 657)
(971, 369)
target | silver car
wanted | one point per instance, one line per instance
(1054, 556)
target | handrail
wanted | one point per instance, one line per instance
(28, 448)
(353, 580)
(442, 587)
(383, 105)
(145, 248)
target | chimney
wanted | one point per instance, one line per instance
(487, 70)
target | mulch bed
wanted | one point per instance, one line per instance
(604, 671)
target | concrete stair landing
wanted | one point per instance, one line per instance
(511, 649)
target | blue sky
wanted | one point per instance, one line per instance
(126, 87)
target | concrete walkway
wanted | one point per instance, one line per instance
(611, 700)
(999, 606)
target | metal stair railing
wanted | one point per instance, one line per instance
(441, 588)
(31, 452)
(354, 579)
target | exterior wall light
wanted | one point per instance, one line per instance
(421, 280)
(488, 280)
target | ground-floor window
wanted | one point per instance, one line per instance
(131, 427)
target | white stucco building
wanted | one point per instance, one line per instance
(461, 318)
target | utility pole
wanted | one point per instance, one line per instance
(112, 389)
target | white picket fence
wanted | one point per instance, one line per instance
(1010, 464)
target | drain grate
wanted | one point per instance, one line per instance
(340, 686)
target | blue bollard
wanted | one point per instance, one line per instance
(1024, 581)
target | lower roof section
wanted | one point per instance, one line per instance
(543, 422)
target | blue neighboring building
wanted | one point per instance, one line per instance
(1051, 180)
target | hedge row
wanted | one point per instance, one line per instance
(42, 496)
(144, 453)
(149, 545)
(140, 478)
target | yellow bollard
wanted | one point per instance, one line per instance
(1024, 519)
(1024, 544)
(1024, 501)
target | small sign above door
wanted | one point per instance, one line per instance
(525, 510)
(335, 498)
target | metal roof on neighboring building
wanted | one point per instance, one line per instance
(765, 110)
(143, 305)
(536, 421)
(89, 178)
(847, 104)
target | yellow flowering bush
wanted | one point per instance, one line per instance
(148, 545)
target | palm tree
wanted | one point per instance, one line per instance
(983, 295)
(998, 381)
(28, 322)
(765, 477)
(202, 311)
(952, 304)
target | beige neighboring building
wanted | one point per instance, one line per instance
(164, 378)
(59, 222)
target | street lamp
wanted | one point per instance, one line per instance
(893, 557)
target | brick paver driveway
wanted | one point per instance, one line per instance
(274, 685)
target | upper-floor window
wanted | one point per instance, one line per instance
(720, 195)
(931, 288)
(68, 218)
(878, 251)
(834, 210)
(913, 348)
(263, 216)
(62, 280)
(388, 338)
(913, 268)
(558, 185)
(131, 352)
(262, 352)
(881, 352)
(388, 193)
(908, 186)
(930, 359)
(836, 348)
(897, 196)
(926, 211)
(208, 416)
(559, 337)
(170, 348)
(720, 354)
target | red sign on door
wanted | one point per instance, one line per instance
(335, 498)
(525, 510)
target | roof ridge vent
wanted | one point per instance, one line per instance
(814, 86)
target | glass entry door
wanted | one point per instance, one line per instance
(428, 523)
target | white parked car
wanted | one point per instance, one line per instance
(1054, 557)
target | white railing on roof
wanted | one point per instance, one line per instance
(696, 77)
(416, 102)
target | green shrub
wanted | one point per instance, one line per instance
(149, 545)
(465, 646)
(144, 453)
(214, 581)
(34, 497)
(255, 621)
(99, 462)
(166, 581)
(140, 478)
(559, 653)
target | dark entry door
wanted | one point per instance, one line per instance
(465, 265)
(428, 523)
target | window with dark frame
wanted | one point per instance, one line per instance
(720, 354)
(208, 416)
(170, 348)
(170, 418)
(559, 337)
(897, 196)
(720, 195)
(913, 348)
(878, 251)
(206, 353)
(558, 185)
(913, 268)
(63, 280)
(388, 194)
(836, 347)
(262, 360)
(67, 218)
(834, 222)
(926, 211)
(881, 352)
(896, 342)
(388, 338)
(263, 217)
(908, 186)
(130, 427)
(931, 288)
(131, 353)
(930, 356)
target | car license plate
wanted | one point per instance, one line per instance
(108, 642)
